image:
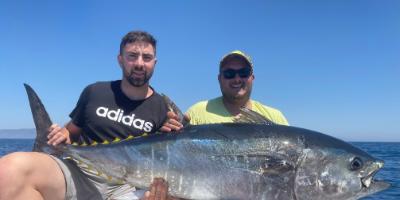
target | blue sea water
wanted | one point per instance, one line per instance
(387, 151)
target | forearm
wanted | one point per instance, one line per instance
(73, 132)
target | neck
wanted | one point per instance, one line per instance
(136, 93)
(233, 106)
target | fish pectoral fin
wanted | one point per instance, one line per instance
(273, 165)
(174, 108)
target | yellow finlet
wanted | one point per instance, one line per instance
(116, 140)
(144, 134)
(94, 143)
(83, 144)
(129, 137)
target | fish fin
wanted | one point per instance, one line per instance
(94, 143)
(248, 116)
(42, 122)
(270, 163)
(172, 107)
(130, 137)
(274, 165)
(116, 140)
(89, 168)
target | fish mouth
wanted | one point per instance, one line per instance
(368, 180)
(374, 187)
(370, 185)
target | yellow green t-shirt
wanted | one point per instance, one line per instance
(214, 111)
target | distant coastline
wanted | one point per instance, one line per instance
(25, 133)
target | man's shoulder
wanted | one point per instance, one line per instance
(157, 95)
(106, 83)
(199, 104)
(259, 105)
(101, 85)
(100, 88)
(208, 112)
(156, 98)
(202, 105)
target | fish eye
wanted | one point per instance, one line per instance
(356, 164)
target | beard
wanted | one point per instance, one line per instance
(136, 81)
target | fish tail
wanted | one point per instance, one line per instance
(42, 122)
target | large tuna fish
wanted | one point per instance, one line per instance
(229, 161)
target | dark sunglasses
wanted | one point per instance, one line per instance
(231, 73)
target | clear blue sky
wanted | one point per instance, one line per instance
(331, 66)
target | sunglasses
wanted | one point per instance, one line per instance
(231, 73)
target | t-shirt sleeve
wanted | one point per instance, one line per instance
(195, 113)
(280, 118)
(77, 115)
(191, 116)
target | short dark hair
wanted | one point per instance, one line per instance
(137, 36)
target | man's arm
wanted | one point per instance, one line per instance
(173, 123)
(67, 134)
(158, 191)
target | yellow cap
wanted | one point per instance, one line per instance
(233, 54)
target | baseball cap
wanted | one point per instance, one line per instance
(235, 54)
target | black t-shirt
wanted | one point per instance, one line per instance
(104, 112)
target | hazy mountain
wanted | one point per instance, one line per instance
(18, 133)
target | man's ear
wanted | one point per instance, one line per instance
(119, 58)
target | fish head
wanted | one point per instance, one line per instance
(337, 171)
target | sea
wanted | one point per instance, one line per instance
(387, 151)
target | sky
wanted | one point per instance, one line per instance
(330, 66)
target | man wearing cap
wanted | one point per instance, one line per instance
(235, 80)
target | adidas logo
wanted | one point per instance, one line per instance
(129, 120)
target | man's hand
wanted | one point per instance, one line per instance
(158, 191)
(173, 122)
(58, 135)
